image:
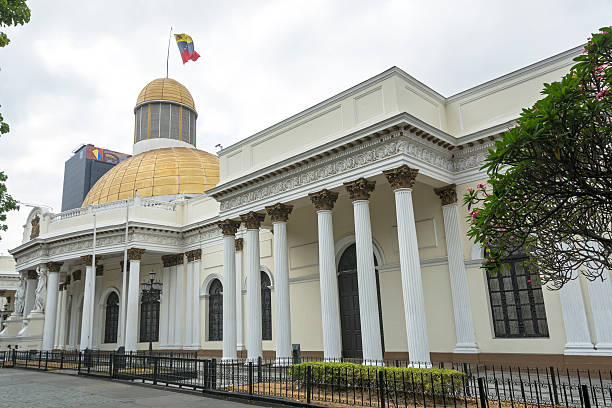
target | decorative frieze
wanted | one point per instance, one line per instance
(239, 244)
(279, 212)
(252, 219)
(324, 199)
(360, 189)
(169, 260)
(194, 255)
(135, 254)
(401, 177)
(229, 227)
(448, 194)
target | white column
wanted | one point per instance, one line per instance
(600, 294)
(254, 333)
(132, 320)
(282, 305)
(172, 307)
(51, 307)
(188, 305)
(88, 311)
(58, 317)
(179, 316)
(328, 281)
(239, 323)
(164, 306)
(464, 326)
(61, 342)
(229, 228)
(195, 297)
(578, 340)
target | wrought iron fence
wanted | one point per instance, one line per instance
(313, 382)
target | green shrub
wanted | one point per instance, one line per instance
(397, 379)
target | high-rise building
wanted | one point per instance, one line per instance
(83, 169)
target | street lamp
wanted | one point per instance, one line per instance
(150, 294)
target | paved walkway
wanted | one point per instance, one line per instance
(29, 388)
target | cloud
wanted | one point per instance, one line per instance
(73, 73)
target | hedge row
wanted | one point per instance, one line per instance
(399, 379)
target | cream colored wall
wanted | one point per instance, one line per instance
(7, 263)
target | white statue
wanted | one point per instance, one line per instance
(19, 296)
(41, 290)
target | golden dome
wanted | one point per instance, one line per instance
(165, 89)
(159, 172)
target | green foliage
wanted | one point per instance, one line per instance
(7, 203)
(12, 13)
(350, 375)
(549, 189)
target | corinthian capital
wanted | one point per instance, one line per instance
(252, 220)
(135, 254)
(401, 177)
(360, 189)
(279, 212)
(324, 199)
(448, 194)
(229, 227)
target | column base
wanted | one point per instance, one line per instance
(191, 347)
(33, 325)
(579, 349)
(603, 349)
(466, 349)
(12, 326)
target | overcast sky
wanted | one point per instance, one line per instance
(72, 75)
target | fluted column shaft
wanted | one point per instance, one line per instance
(189, 305)
(164, 318)
(131, 319)
(239, 322)
(172, 307)
(179, 294)
(578, 340)
(58, 314)
(281, 288)
(195, 298)
(51, 309)
(229, 297)
(366, 281)
(88, 310)
(412, 283)
(61, 342)
(600, 294)
(254, 332)
(464, 326)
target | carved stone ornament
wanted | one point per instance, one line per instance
(360, 189)
(19, 296)
(194, 255)
(32, 275)
(169, 260)
(448, 194)
(41, 290)
(99, 270)
(180, 258)
(279, 212)
(401, 177)
(76, 275)
(229, 227)
(35, 230)
(54, 266)
(324, 199)
(135, 254)
(252, 219)
(239, 244)
(86, 259)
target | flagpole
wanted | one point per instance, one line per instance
(168, 54)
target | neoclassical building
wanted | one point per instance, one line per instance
(339, 230)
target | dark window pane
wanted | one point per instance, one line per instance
(215, 311)
(496, 299)
(266, 307)
(111, 322)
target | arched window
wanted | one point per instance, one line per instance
(149, 317)
(215, 311)
(266, 307)
(111, 322)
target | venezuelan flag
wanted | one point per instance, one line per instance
(185, 44)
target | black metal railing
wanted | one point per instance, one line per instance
(380, 384)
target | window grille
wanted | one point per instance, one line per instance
(111, 323)
(215, 311)
(266, 307)
(149, 319)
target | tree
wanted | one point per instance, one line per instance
(12, 12)
(549, 192)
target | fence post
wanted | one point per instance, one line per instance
(111, 360)
(554, 385)
(381, 388)
(308, 381)
(79, 366)
(213, 377)
(481, 391)
(259, 369)
(250, 378)
(46, 360)
(62, 360)
(155, 364)
(14, 358)
(205, 368)
(585, 396)
(39, 359)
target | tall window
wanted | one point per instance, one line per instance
(266, 307)
(215, 311)
(111, 322)
(517, 303)
(149, 319)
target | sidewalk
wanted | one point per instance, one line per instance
(29, 388)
